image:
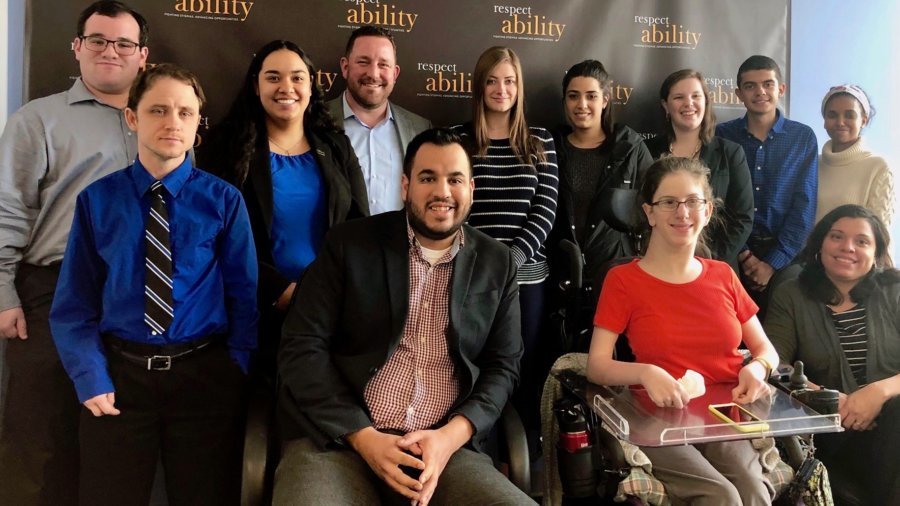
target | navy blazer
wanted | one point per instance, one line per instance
(348, 317)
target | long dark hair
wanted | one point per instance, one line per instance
(242, 133)
(813, 280)
(594, 69)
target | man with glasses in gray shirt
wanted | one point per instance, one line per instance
(50, 150)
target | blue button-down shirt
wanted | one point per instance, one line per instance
(784, 169)
(380, 155)
(101, 284)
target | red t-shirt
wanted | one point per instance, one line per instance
(694, 325)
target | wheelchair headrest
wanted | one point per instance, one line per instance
(617, 207)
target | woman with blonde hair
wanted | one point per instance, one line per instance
(515, 172)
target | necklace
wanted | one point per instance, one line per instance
(694, 155)
(287, 150)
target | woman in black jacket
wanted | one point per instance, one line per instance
(598, 160)
(595, 156)
(298, 174)
(690, 133)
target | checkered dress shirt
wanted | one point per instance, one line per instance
(418, 384)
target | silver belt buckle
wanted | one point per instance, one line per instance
(159, 363)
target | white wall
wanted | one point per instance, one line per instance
(12, 36)
(4, 59)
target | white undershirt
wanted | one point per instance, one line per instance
(433, 255)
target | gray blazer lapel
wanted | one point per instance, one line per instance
(830, 340)
(401, 122)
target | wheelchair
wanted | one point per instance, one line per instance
(616, 471)
(612, 470)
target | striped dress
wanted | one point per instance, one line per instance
(515, 203)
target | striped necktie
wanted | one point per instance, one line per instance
(158, 311)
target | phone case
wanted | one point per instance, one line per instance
(754, 425)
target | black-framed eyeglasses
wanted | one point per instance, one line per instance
(98, 45)
(670, 204)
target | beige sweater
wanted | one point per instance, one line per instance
(855, 176)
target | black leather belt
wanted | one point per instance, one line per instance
(157, 357)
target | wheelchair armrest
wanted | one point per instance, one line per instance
(575, 264)
(512, 432)
(256, 449)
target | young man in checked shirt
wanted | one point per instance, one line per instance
(403, 353)
(783, 159)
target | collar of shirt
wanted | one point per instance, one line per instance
(173, 181)
(416, 248)
(777, 128)
(349, 114)
(79, 93)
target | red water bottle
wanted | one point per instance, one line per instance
(575, 452)
(573, 430)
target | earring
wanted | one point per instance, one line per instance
(818, 260)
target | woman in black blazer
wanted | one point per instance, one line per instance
(297, 171)
(690, 133)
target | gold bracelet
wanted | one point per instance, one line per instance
(766, 364)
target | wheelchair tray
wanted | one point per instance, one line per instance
(631, 416)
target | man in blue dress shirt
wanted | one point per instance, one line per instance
(159, 368)
(783, 159)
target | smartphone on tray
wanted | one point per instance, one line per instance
(738, 417)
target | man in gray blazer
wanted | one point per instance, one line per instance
(400, 351)
(378, 130)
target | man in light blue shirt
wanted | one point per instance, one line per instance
(378, 130)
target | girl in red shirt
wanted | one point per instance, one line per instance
(682, 312)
